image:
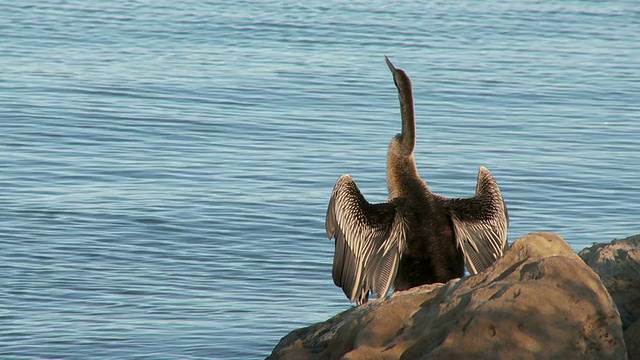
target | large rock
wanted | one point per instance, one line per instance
(540, 301)
(618, 264)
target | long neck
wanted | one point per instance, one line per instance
(402, 174)
(406, 111)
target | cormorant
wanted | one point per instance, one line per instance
(416, 237)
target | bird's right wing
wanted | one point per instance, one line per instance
(369, 241)
(480, 224)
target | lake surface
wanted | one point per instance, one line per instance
(165, 166)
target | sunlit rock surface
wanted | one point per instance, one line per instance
(540, 301)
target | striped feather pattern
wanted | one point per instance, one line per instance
(480, 224)
(369, 240)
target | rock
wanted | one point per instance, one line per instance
(632, 340)
(540, 301)
(618, 265)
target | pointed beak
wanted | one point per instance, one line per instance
(390, 65)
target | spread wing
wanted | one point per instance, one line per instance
(369, 239)
(480, 224)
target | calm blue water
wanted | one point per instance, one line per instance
(165, 166)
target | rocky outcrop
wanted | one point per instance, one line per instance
(540, 301)
(618, 265)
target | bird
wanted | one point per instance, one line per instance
(416, 237)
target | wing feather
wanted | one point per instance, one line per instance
(480, 224)
(369, 239)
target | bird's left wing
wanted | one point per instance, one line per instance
(369, 241)
(480, 224)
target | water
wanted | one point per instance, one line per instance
(166, 166)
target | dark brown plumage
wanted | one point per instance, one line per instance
(416, 237)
